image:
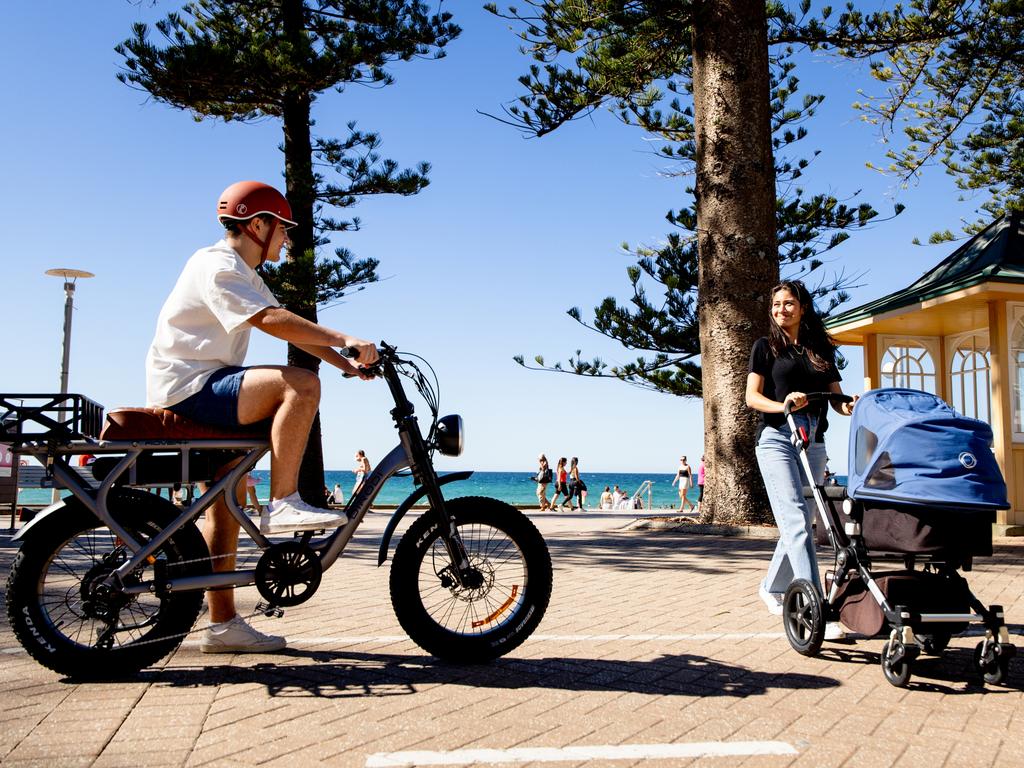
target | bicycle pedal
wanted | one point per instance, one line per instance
(268, 610)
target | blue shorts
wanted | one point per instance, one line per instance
(217, 402)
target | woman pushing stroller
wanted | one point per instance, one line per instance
(797, 356)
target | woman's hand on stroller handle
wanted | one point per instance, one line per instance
(811, 398)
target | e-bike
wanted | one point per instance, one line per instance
(110, 579)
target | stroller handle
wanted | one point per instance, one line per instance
(816, 397)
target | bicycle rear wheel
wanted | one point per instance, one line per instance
(65, 615)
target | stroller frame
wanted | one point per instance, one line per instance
(805, 612)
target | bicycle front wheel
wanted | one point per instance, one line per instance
(502, 602)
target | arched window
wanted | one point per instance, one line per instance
(1017, 365)
(908, 363)
(970, 386)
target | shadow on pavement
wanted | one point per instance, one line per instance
(645, 552)
(951, 673)
(354, 674)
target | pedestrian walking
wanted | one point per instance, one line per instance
(561, 484)
(684, 477)
(577, 488)
(543, 478)
(798, 356)
(362, 469)
(700, 483)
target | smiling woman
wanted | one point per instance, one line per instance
(797, 357)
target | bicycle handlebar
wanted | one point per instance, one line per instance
(814, 397)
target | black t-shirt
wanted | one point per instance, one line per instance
(790, 372)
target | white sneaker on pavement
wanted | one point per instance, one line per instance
(293, 514)
(834, 631)
(235, 636)
(771, 599)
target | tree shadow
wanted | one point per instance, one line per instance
(358, 675)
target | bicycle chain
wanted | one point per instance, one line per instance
(261, 609)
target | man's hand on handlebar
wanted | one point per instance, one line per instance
(357, 356)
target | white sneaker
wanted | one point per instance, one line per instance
(293, 514)
(834, 631)
(235, 636)
(771, 599)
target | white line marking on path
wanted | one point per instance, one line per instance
(560, 754)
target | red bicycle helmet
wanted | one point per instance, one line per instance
(245, 199)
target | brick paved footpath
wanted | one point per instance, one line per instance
(352, 686)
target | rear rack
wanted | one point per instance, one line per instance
(53, 418)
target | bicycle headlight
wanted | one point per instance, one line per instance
(449, 435)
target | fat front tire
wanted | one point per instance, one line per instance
(485, 620)
(67, 620)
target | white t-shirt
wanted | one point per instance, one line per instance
(203, 324)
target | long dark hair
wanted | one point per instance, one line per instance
(820, 346)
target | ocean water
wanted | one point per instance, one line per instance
(512, 487)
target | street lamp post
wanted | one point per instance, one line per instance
(70, 276)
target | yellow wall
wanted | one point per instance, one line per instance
(872, 377)
(1002, 429)
(1014, 516)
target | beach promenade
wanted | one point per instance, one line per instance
(655, 651)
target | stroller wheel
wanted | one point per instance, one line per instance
(803, 617)
(897, 660)
(993, 664)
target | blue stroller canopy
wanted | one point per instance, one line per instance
(911, 447)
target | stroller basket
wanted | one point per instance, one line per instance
(926, 591)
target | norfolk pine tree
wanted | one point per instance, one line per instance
(663, 325)
(959, 102)
(254, 59)
(624, 54)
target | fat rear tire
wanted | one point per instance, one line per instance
(472, 625)
(56, 617)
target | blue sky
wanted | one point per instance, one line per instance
(477, 268)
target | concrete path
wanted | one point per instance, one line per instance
(655, 651)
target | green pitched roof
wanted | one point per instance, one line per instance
(994, 254)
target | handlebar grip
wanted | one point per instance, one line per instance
(352, 353)
(813, 397)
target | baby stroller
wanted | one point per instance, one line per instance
(923, 490)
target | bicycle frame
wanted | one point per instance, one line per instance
(412, 453)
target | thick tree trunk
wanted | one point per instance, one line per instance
(737, 246)
(301, 192)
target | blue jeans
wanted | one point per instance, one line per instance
(784, 479)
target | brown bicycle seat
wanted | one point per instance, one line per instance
(160, 424)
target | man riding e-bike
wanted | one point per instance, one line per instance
(194, 368)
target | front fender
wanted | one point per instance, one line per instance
(405, 506)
